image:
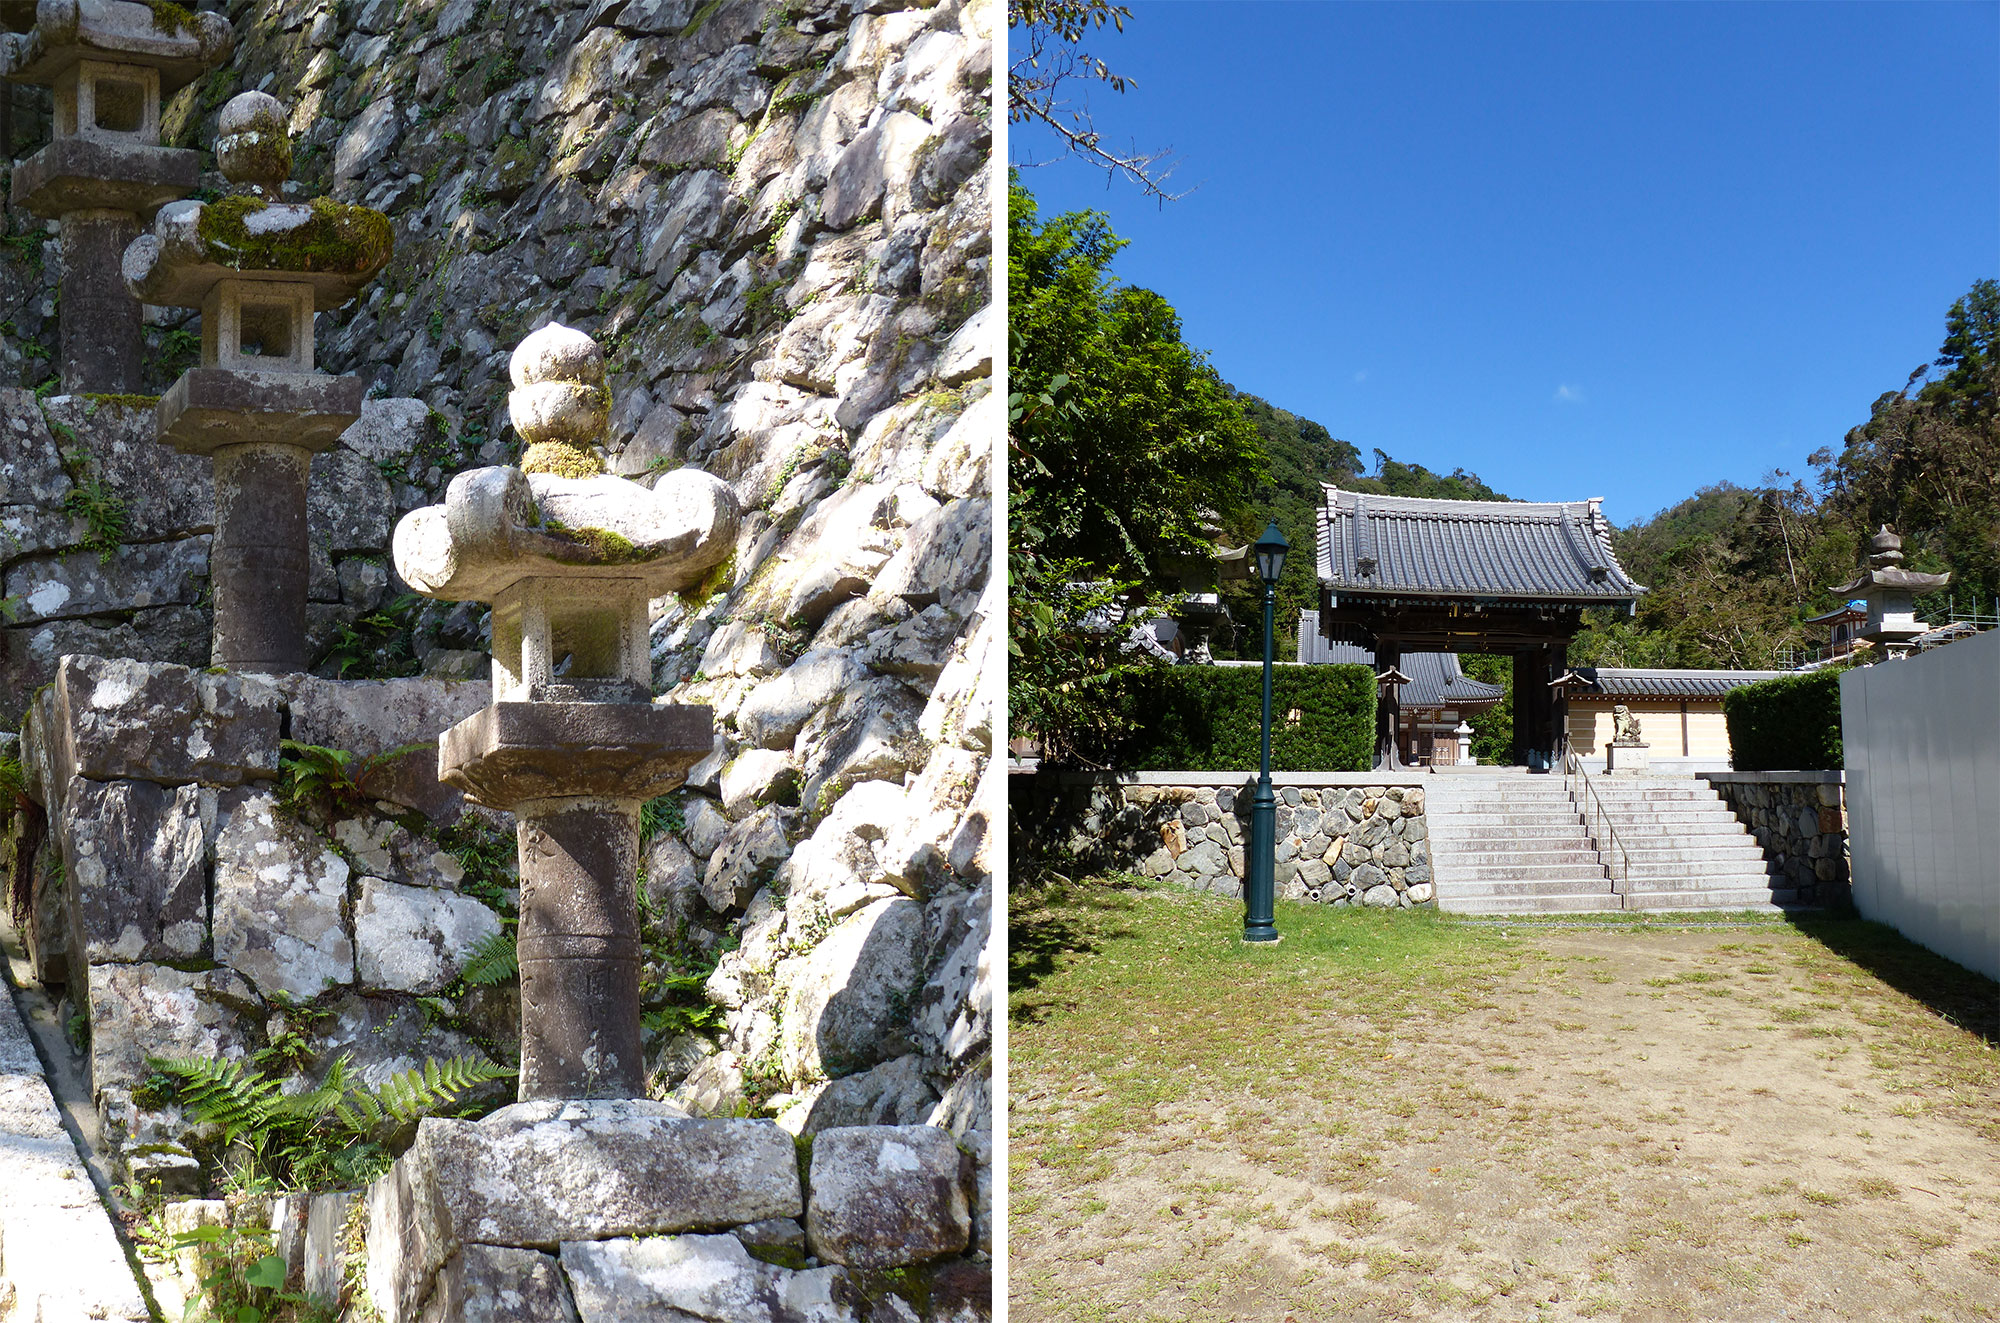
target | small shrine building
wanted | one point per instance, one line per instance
(1401, 575)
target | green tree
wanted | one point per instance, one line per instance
(1120, 435)
(1151, 435)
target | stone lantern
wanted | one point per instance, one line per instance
(1891, 591)
(110, 63)
(572, 745)
(258, 269)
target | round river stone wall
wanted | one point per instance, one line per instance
(1337, 845)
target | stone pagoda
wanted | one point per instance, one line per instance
(1891, 592)
(258, 269)
(110, 63)
(570, 557)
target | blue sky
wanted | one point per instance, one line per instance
(1618, 250)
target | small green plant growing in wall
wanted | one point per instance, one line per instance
(238, 1277)
(92, 501)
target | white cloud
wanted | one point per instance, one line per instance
(1568, 394)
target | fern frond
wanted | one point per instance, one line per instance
(232, 1094)
(493, 959)
(424, 1089)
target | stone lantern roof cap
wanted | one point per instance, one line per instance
(1893, 577)
(499, 526)
(181, 44)
(564, 518)
(335, 247)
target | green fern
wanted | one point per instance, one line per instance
(494, 959)
(333, 1134)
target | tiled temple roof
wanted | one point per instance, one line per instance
(1401, 546)
(1619, 682)
(1435, 677)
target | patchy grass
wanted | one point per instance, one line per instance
(1411, 1116)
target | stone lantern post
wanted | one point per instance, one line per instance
(110, 64)
(569, 557)
(258, 269)
(1891, 591)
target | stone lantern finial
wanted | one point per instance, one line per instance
(252, 148)
(258, 270)
(570, 557)
(559, 404)
(1885, 549)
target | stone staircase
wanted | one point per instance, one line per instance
(1509, 843)
(1505, 842)
(1687, 848)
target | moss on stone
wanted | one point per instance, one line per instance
(604, 547)
(339, 238)
(695, 598)
(168, 17)
(784, 1256)
(123, 401)
(562, 460)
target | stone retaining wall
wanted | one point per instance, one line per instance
(1343, 838)
(184, 909)
(1800, 821)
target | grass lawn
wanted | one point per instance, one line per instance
(1401, 1115)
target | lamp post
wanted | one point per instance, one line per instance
(1260, 887)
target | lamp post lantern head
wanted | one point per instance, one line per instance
(1270, 551)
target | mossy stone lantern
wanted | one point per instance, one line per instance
(572, 745)
(109, 64)
(258, 269)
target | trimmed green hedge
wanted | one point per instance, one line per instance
(1790, 724)
(1207, 718)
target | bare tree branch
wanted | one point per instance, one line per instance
(1049, 58)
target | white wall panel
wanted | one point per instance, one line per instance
(1922, 739)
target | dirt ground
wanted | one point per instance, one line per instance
(1737, 1123)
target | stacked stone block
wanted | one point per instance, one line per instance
(1358, 844)
(192, 908)
(1800, 821)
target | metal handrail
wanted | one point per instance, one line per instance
(1573, 765)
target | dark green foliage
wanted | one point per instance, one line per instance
(1493, 729)
(337, 1134)
(1790, 724)
(1070, 678)
(492, 960)
(332, 782)
(672, 976)
(663, 814)
(91, 500)
(378, 645)
(1207, 719)
(1147, 435)
(313, 777)
(237, 1276)
(487, 855)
